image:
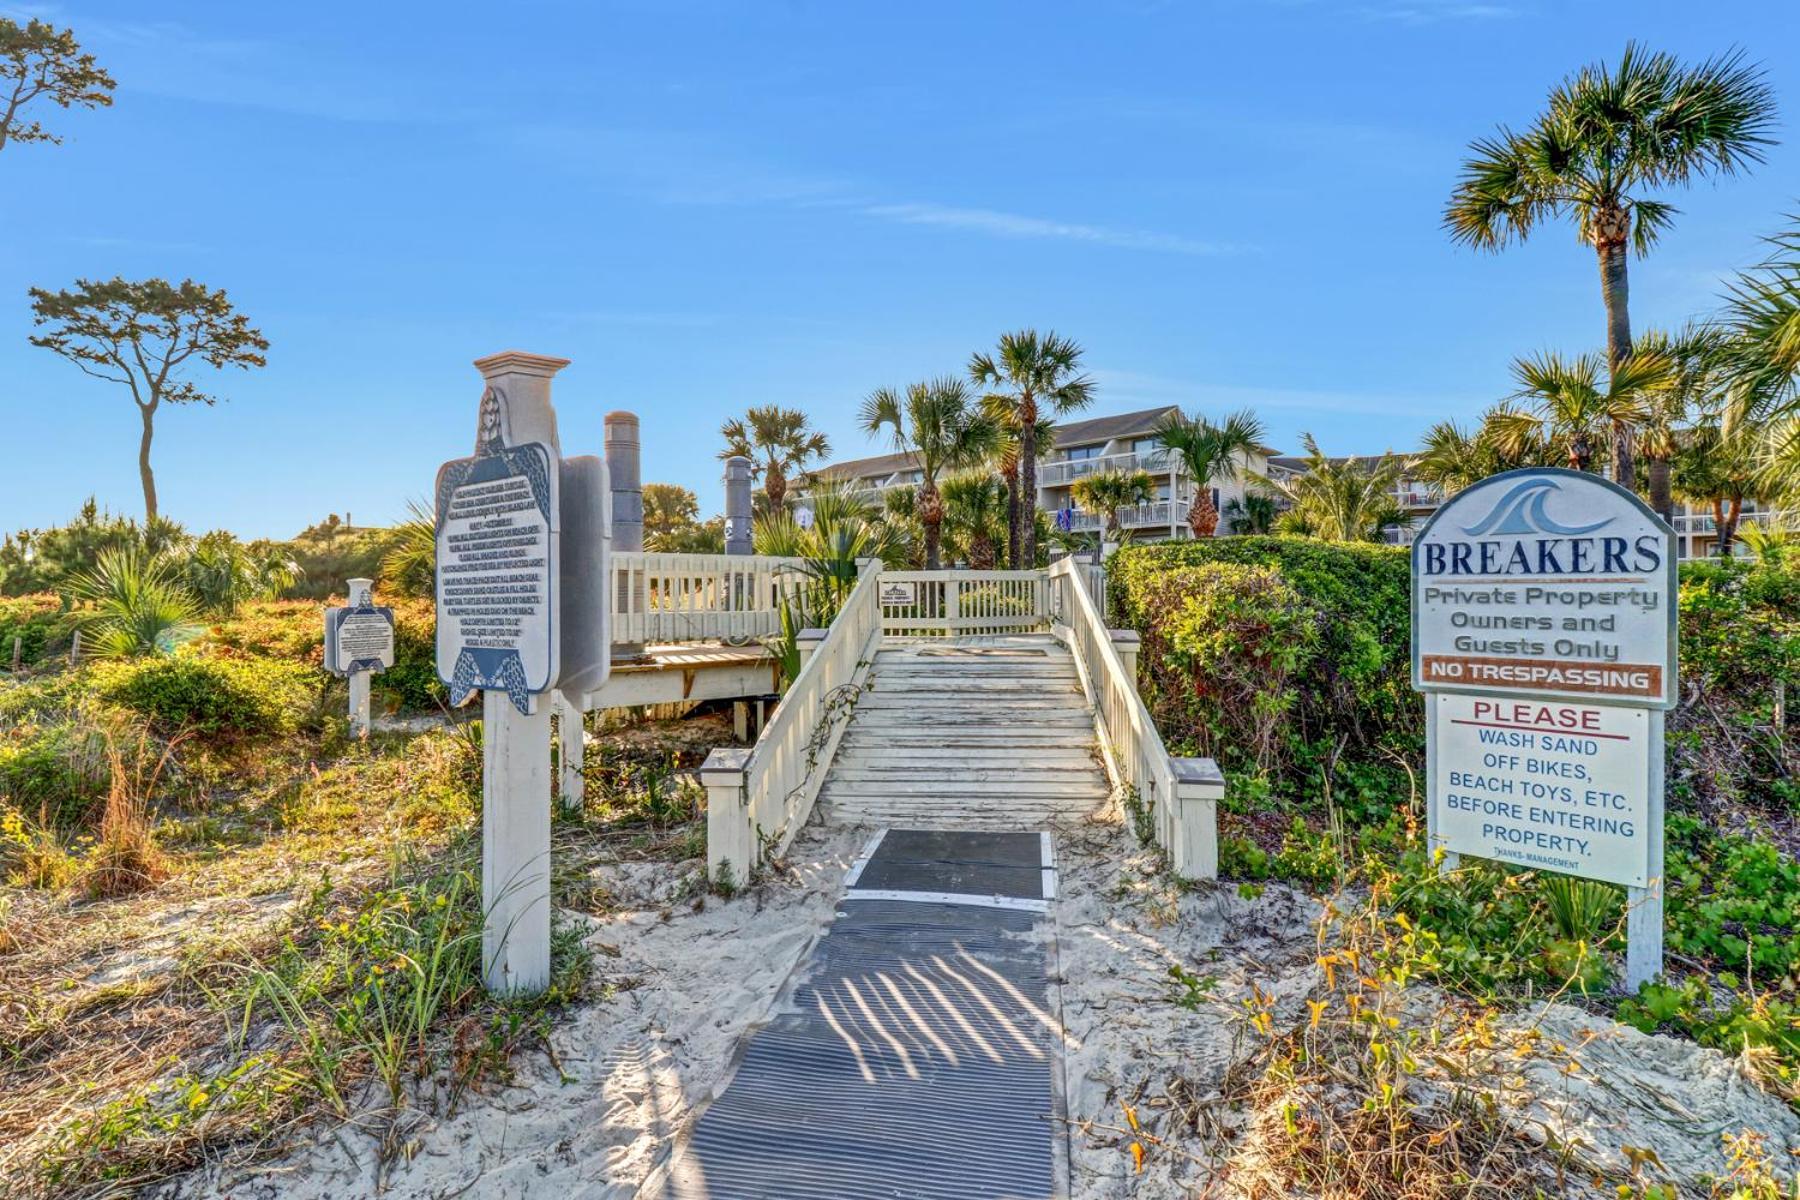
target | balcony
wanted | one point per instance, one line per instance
(1062, 472)
(1159, 514)
(1703, 523)
(1418, 495)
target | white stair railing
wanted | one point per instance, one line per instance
(1180, 794)
(960, 603)
(758, 798)
(698, 597)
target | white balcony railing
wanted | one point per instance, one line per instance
(1063, 471)
(1692, 523)
(1157, 514)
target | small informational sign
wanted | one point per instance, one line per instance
(1548, 785)
(899, 594)
(359, 636)
(497, 517)
(1546, 583)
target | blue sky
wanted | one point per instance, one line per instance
(708, 205)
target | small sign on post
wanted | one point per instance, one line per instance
(359, 642)
(1544, 606)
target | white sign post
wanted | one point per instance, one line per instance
(359, 642)
(521, 556)
(1544, 638)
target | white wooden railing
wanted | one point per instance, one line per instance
(758, 798)
(953, 603)
(698, 597)
(1181, 795)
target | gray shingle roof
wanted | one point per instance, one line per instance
(1105, 429)
(878, 467)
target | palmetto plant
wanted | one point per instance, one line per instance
(1342, 499)
(1575, 402)
(944, 427)
(975, 517)
(845, 529)
(779, 443)
(1698, 383)
(1721, 466)
(133, 604)
(409, 564)
(1209, 453)
(1006, 461)
(1030, 376)
(1106, 492)
(221, 572)
(1606, 138)
(1762, 315)
(1454, 458)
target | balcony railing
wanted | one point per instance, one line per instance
(1063, 471)
(1138, 516)
(1779, 518)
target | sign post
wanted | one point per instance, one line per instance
(1543, 605)
(359, 642)
(521, 557)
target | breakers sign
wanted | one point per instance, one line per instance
(1546, 582)
(1544, 639)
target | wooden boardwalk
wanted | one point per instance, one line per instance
(969, 733)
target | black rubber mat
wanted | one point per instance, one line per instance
(979, 864)
(914, 1057)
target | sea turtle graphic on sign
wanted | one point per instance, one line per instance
(497, 518)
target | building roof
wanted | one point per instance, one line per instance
(1298, 462)
(1105, 429)
(878, 467)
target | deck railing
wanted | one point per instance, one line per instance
(961, 603)
(698, 597)
(758, 798)
(1181, 795)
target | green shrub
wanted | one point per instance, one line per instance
(35, 620)
(212, 695)
(1327, 622)
(294, 631)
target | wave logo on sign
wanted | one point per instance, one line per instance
(1521, 513)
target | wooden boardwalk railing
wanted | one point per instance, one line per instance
(698, 597)
(1182, 794)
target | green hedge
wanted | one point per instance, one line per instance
(1276, 655)
(211, 695)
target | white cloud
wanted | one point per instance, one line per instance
(1014, 225)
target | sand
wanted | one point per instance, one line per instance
(678, 989)
(684, 986)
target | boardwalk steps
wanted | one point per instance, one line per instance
(984, 734)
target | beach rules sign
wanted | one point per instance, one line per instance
(1543, 627)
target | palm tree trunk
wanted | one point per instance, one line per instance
(1612, 231)
(148, 412)
(931, 516)
(1012, 516)
(1728, 527)
(1581, 452)
(1662, 498)
(1203, 517)
(1028, 452)
(775, 487)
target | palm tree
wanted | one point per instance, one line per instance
(1571, 405)
(975, 517)
(1721, 467)
(1254, 513)
(1605, 138)
(409, 562)
(1042, 376)
(943, 427)
(1209, 453)
(1106, 492)
(1454, 458)
(1006, 462)
(1342, 499)
(1697, 383)
(779, 444)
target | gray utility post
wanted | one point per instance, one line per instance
(737, 505)
(623, 464)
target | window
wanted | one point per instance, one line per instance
(1081, 453)
(1146, 446)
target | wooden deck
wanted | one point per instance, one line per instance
(669, 674)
